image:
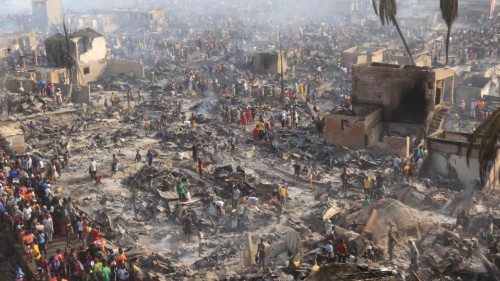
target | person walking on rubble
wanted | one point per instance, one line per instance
(282, 194)
(187, 226)
(201, 167)
(344, 177)
(195, 151)
(150, 157)
(114, 164)
(181, 190)
(341, 249)
(93, 169)
(261, 254)
(137, 157)
(296, 170)
(232, 142)
(414, 255)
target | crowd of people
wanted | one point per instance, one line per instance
(38, 219)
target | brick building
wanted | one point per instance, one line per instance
(390, 103)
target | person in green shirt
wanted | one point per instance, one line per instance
(106, 273)
(181, 190)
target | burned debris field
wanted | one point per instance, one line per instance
(249, 140)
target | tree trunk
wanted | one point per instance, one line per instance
(447, 43)
(404, 41)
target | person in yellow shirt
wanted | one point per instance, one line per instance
(367, 185)
(283, 193)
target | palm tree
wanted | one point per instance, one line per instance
(386, 10)
(487, 136)
(449, 12)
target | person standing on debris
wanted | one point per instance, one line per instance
(181, 190)
(367, 185)
(150, 157)
(282, 194)
(232, 142)
(195, 150)
(329, 230)
(201, 167)
(137, 157)
(396, 164)
(283, 118)
(93, 169)
(391, 244)
(414, 255)
(344, 177)
(114, 164)
(187, 226)
(296, 170)
(329, 250)
(58, 97)
(472, 108)
(236, 196)
(341, 248)
(310, 174)
(219, 206)
(261, 254)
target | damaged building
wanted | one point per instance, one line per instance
(88, 48)
(47, 15)
(448, 158)
(23, 42)
(269, 62)
(389, 101)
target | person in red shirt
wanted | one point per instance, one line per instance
(201, 167)
(95, 233)
(255, 133)
(341, 248)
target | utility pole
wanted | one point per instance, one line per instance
(281, 63)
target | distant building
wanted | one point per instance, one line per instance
(271, 63)
(130, 17)
(25, 42)
(46, 15)
(359, 55)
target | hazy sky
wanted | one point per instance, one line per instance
(15, 6)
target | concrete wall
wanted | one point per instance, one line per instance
(399, 146)
(97, 51)
(374, 134)
(388, 85)
(448, 158)
(269, 62)
(455, 166)
(122, 66)
(352, 134)
(91, 71)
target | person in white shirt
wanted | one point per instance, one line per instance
(93, 169)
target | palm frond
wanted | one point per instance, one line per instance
(387, 11)
(487, 136)
(449, 12)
